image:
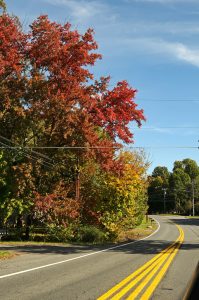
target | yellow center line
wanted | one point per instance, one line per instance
(162, 272)
(152, 265)
(131, 276)
(137, 291)
(151, 270)
(128, 287)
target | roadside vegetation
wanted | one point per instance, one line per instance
(173, 192)
(6, 254)
(64, 172)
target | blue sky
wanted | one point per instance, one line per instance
(154, 45)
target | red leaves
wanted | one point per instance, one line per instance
(11, 46)
(114, 110)
(48, 97)
(54, 208)
(55, 91)
(61, 52)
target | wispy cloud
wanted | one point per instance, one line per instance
(157, 129)
(164, 1)
(177, 50)
(170, 27)
(182, 52)
(174, 50)
(131, 35)
(168, 130)
(80, 10)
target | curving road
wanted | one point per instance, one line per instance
(82, 272)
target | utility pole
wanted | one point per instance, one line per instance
(165, 192)
(193, 198)
(77, 188)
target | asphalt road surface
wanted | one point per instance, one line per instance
(137, 270)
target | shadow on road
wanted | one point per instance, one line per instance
(144, 247)
(189, 222)
(149, 246)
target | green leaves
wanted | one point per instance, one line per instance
(174, 190)
(51, 100)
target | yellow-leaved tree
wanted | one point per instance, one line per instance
(125, 196)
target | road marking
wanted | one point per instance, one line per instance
(162, 272)
(157, 265)
(133, 275)
(81, 256)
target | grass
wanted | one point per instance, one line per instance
(143, 230)
(6, 254)
(170, 215)
(29, 243)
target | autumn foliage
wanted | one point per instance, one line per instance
(50, 100)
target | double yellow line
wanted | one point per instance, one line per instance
(144, 280)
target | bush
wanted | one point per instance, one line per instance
(60, 233)
(90, 234)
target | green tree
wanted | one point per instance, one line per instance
(158, 189)
(191, 169)
(176, 188)
(179, 189)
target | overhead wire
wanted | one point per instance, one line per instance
(5, 146)
(167, 100)
(27, 155)
(35, 152)
(168, 127)
(98, 147)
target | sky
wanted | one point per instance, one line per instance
(154, 45)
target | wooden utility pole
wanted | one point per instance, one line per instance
(165, 192)
(77, 192)
(193, 198)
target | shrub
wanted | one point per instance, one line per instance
(60, 233)
(90, 234)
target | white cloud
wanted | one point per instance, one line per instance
(81, 9)
(178, 51)
(182, 52)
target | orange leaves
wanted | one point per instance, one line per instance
(55, 209)
(114, 110)
(49, 97)
(60, 51)
(11, 46)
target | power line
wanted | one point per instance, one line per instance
(23, 148)
(35, 152)
(46, 164)
(98, 147)
(168, 127)
(27, 155)
(166, 100)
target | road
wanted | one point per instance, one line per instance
(85, 272)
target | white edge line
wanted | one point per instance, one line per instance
(82, 256)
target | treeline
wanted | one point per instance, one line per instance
(176, 191)
(62, 164)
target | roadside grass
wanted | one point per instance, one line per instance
(29, 243)
(6, 254)
(173, 215)
(146, 228)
